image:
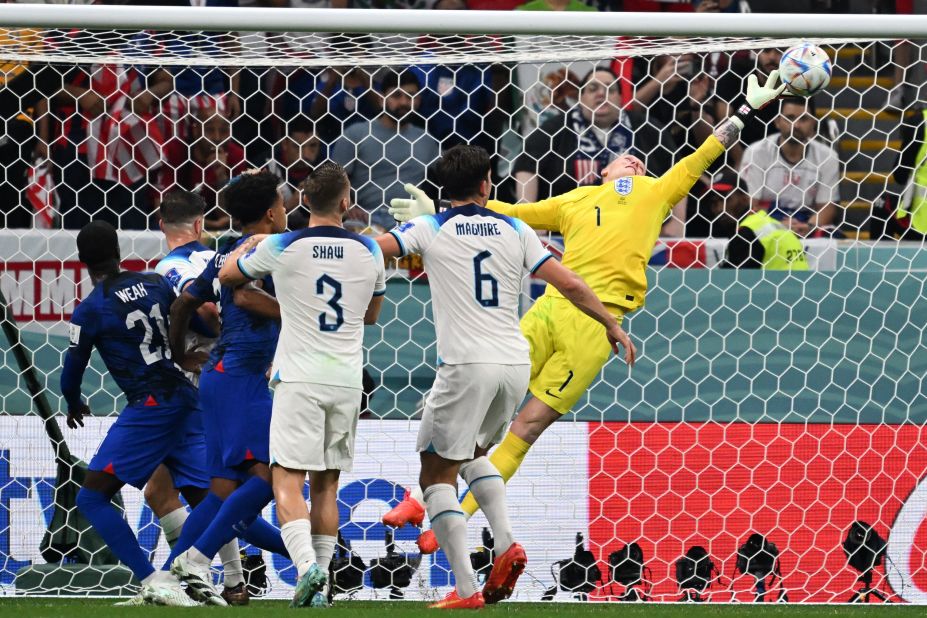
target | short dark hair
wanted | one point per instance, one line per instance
(179, 206)
(604, 69)
(461, 169)
(250, 195)
(98, 245)
(812, 108)
(396, 79)
(325, 186)
(300, 124)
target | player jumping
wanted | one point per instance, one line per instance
(125, 318)
(476, 260)
(329, 283)
(235, 399)
(609, 232)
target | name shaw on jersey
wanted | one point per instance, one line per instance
(477, 229)
(328, 252)
(133, 292)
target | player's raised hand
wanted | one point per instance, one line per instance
(76, 415)
(617, 335)
(758, 96)
(420, 204)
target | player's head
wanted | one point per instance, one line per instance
(600, 97)
(399, 90)
(182, 212)
(767, 60)
(328, 190)
(210, 128)
(725, 203)
(796, 121)
(253, 199)
(625, 165)
(463, 172)
(98, 248)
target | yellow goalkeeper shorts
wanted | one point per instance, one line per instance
(568, 350)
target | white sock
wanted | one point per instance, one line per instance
(415, 492)
(232, 573)
(297, 537)
(450, 528)
(160, 577)
(324, 547)
(172, 524)
(195, 555)
(488, 488)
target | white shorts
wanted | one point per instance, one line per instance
(470, 406)
(313, 426)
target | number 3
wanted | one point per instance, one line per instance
(324, 324)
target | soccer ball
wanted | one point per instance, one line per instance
(805, 69)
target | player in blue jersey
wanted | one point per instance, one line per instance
(125, 319)
(234, 394)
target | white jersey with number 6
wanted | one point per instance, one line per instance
(324, 278)
(475, 260)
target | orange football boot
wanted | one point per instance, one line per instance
(409, 511)
(427, 542)
(452, 601)
(505, 572)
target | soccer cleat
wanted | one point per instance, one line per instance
(135, 601)
(452, 601)
(505, 572)
(236, 595)
(198, 580)
(409, 511)
(427, 542)
(309, 585)
(169, 593)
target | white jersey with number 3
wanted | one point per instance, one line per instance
(324, 278)
(475, 260)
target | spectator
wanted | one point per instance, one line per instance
(910, 221)
(572, 149)
(720, 208)
(207, 163)
(555, 5)
(380, 155)
(792, 175)
(295, 156)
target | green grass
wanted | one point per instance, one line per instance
(101, 608)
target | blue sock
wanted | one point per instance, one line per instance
(196, 524)
(110, 525)
(237, 513)
(265, 535)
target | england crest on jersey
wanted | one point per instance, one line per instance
(624, 185)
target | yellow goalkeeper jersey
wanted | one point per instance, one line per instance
(609, 230)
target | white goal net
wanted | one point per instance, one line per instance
(785, 404)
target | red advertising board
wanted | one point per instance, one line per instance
(669, 486)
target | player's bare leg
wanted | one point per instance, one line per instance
(323, 493)
(438, 478)
(164, 500)
(296, 529)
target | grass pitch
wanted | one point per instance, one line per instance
(103, 608)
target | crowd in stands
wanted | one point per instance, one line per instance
(117, 137)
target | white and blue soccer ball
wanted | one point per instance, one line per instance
(805, 69)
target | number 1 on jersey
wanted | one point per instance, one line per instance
(598, 216)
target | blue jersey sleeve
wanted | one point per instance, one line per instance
(203, 287)
(80, 335)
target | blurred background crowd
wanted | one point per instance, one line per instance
(106, 141)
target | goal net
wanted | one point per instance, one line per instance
(785, 404)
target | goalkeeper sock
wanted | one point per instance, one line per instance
(324, 547)
(297, 535)
(238, 512)
(487, 487)
(195, 525)
(261, 533)
(232, 572)
(110, 525)
(506, 458)
(172, 523)
(451, 531)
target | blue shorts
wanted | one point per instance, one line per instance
(187, 461)
(144, 437)
(236, 415)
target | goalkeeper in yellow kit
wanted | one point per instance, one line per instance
(609, 232)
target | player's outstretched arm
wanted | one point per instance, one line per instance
(577, 292)
(72, 374)
(757, 98)
(254, 300)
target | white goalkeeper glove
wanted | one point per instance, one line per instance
(403, 210)
(758, 96)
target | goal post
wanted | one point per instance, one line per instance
(789, 405)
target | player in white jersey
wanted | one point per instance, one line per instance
(329, 283)
(475, 260)
(182, 214)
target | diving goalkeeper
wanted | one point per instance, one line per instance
(609, 232)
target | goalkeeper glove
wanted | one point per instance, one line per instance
(403, 210)
(758, 97)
